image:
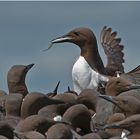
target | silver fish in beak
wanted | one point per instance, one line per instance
(58, 40)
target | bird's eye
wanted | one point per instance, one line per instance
(134, 121)
(76, 33)
(125, 101)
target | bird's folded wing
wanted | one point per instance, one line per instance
(113, 50)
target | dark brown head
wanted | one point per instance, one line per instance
(68, 98)
(34, 101)
(117, 85)
(89, 98)
(35, 122)
(51, 111)
(82, 37)
(79, 116)
(16, 78)
(128, 104)
(59, 131)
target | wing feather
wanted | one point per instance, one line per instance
(113, 35)
(115, 42)
(113, 50)
(134, 71)
(103, 34)
(118, 48)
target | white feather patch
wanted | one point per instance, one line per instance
(84, 76)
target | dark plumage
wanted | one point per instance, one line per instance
(79, 116)
(53, 110)
(129, 105)
(67, 98)
(13, 108)
(118, 85)
(6, 130)
(34, 101)
(59, 131)
(16, 79)
(103, 109)
(35, 123)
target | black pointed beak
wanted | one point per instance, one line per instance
(56, 88)
(122, 124)
(28, 67)
(111, 126)
(109, 98)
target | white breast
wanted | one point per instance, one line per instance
(84, 76)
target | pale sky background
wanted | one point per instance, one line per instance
(26, 28)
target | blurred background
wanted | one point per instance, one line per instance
(26, 28)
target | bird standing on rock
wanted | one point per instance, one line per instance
(88, 71)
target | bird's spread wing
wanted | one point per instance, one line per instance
(135, 75)
(113, 50)
(135, 71)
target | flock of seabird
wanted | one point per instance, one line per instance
(104, 104)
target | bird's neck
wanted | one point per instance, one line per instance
(93, 58)
(15, 87)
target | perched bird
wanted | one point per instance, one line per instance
(88, 71)
(16, 79)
